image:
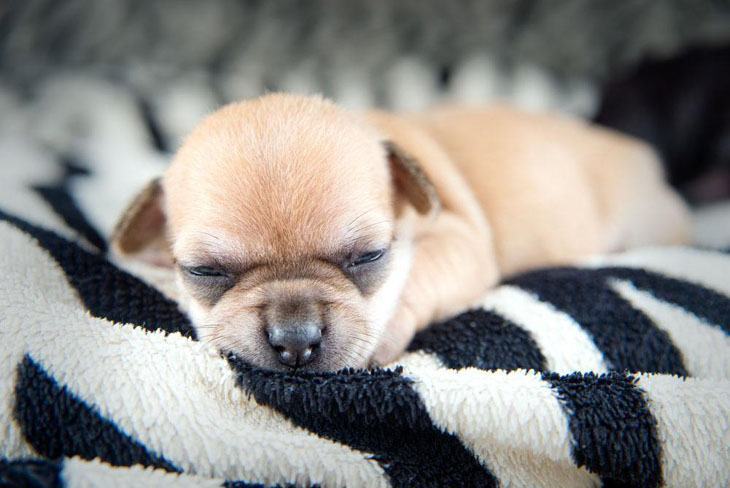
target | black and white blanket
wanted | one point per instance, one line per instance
(615, 373)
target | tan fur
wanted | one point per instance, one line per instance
(277, 189)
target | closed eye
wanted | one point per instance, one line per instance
(205, 271)
(368, 257)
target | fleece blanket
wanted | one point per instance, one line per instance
(613, 373)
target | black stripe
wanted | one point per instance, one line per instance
(613, 431)
(480, 339)
(107, 291)
(377, 412)
(58, 424)
(59, 197)
(628, 339)
(156, 134)
(701, 301)
(30, 473)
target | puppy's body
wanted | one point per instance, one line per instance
(344, 247)
(521, 191)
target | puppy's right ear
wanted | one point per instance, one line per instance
(140, 233)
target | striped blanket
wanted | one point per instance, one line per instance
(614, 373)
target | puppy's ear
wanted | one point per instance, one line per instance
(411, 181)
(140, 233)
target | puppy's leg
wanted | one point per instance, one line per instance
(656, 214)
(454, 264)
(397, 335)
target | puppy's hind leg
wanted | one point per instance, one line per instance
(654, 213)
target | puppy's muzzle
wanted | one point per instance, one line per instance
(294, 331)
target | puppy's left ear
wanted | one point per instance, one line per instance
(411, 181)
(140, 233)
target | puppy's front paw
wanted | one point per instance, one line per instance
(397, 335)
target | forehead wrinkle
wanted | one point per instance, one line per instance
(281, 179)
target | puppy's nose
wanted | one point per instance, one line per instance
(295, 345)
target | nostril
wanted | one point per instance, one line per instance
(306, 355)
(295, 345)
(315, 338)
(288, 358)
(275, 336)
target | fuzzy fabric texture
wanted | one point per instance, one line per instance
(615, 373)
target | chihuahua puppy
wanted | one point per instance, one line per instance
(305, 236)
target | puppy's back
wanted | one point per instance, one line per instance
(555, 189)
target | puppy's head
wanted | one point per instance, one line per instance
(283, 220)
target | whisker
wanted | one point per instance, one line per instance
(352, 240)
(209, 235)
(364, 334)
(360, 216)
(361, 228)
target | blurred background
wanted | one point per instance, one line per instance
(110, 87)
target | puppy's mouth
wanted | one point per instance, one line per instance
(325, 337)
(303, 347)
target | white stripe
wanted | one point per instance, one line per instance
(114, 141)
(79, 473)
(16, 314)
(417, 361)
(705, 347)
(177, 396)
(563, 342)
(706, 268)
(512, 421)
(693, 426)
(24, 166)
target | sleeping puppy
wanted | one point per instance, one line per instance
(305, 236)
